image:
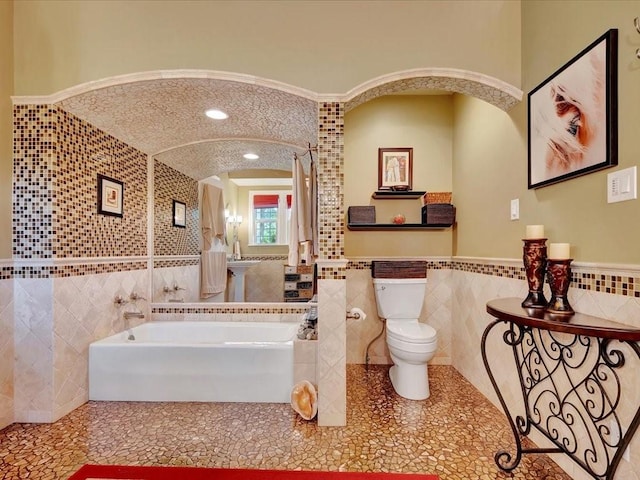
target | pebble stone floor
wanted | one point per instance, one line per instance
(453, 434)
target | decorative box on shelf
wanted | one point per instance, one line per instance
(366, 214)
(441, 214)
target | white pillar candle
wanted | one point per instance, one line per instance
(534, 232)
(559, 251)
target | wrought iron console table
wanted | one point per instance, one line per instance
(578, 375)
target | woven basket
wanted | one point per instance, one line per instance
(436, 197)
(398, 269)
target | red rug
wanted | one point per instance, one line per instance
(113, 472)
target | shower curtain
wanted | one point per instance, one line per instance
(213, 259)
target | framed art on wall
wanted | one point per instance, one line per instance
(110, 196)
(395, 168)
(573, 116)
(179, 214)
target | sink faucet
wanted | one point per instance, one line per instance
(175, 288)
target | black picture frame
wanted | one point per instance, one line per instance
(179, 214)
(110, 196)
(572, 119)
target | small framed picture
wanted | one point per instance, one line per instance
(110, 196)
(395, 168)
(179, 214)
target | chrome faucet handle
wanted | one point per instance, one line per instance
(176, 287)
(134, 296)
(119, 300)
(167, 289)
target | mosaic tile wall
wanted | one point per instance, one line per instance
(80, 231)
(62, 304)
(332, 337)
(57, 158)
(331, 180)
(35, 130)
(169, 185)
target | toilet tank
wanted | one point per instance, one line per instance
(399, 298)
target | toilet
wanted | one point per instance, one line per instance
(400, 289)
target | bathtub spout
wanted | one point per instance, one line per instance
(130, 315)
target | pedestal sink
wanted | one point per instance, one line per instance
(239, 268)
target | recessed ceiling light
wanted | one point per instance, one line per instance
(216, 114)
(251, 156)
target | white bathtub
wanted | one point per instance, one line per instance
(195, 361)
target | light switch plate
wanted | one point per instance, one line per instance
(515, 209)
(622, 185)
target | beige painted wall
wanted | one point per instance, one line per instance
(421, 122)
(6, 115)
(489, 169)
(325, 46)
(490, 153)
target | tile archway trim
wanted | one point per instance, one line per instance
(484, 87)
(163, 75)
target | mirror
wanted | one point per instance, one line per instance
(163, 114)
(259, 276)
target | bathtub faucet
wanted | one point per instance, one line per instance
(119, 300)
(130, 315)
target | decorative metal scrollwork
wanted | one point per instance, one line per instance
(572, 389)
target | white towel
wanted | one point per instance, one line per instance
(213, 273)
(300, 215)
(211, 216)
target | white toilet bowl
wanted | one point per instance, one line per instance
(400, 288)
(411, 345)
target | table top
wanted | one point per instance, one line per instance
(510, 309)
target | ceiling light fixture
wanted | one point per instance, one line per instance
(216, 114)
(251, 156)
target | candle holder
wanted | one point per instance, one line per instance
(559, 278)
(535, 258)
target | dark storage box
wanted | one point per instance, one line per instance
(361, 214)
(438, 214)
(398, 269)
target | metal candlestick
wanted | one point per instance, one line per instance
(535, 259)
(559, 278)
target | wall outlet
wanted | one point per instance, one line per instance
(515, 209)
(622, 185)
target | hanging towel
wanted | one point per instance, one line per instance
(211, 216)
(300, 217)
(213, 273)
(313, 201)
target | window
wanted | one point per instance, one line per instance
(270, 217)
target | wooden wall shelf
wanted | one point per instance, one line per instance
(396, 195)
(393, 226)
